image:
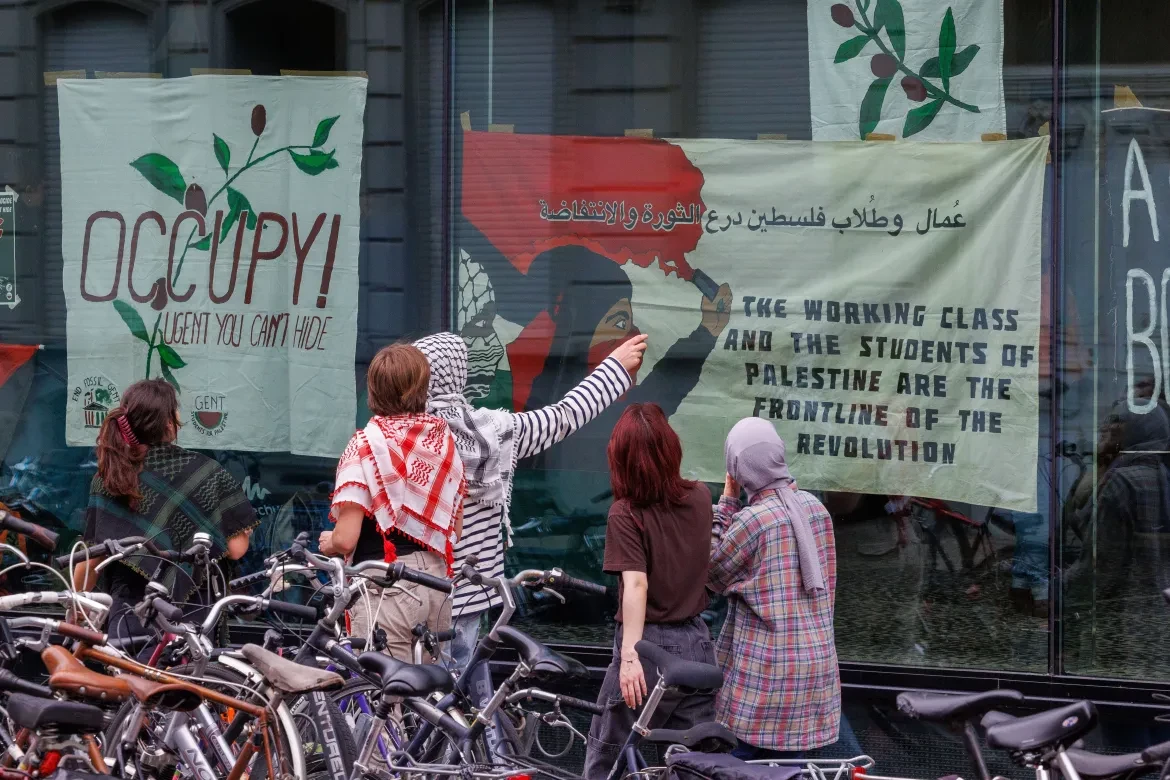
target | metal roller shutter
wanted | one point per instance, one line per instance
(753, 69)
(90, 37)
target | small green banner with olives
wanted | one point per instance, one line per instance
(930, 70)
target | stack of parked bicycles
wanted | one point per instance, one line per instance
(175, 702)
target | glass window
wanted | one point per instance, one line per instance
(296, 44)
(1115, 428)
(921, 582)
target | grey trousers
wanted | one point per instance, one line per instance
(690, 641)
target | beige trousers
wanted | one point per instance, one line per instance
(399, 609)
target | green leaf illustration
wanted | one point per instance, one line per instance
(169, 357)
(920, 118)
(132, 319)
(851, 48)
(314, 162)
(163, 174)
(203, 244)
(946, 49)
(222, 152)
(167, 375)
(889, 15)
(323, 127)
(237, 203)
(871, 106)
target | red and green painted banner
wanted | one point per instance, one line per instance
(879, 303)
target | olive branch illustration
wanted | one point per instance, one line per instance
(891, 60)
(165, 176)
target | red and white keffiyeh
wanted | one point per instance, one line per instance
(405, 473)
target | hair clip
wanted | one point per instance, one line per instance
(127, 434)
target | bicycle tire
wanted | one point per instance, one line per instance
(440, 750)
(317, 761)
(233, 681)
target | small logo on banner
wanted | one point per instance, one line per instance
(209, 415)
(93, 399)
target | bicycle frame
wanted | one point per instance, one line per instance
(188, 749)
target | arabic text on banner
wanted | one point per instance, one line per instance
(879, 303)
(210, 237)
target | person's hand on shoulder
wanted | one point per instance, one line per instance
(630, 353)
(730, 487)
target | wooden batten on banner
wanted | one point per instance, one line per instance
(497, 128)
(361, 74)
(989, 137)
(221, 72)
(52, 76)
(639, 133)
(1124, 97)
(880, 137)
(118, 74)
(771, 136)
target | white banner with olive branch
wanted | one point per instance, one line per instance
(924, 69)
(210, 238)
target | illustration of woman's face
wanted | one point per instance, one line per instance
(616, 323)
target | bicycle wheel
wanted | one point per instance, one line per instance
(326, 737)
(152, 759)
(357, 701)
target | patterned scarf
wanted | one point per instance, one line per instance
(183, 493)
(414, 477)
(484, 437)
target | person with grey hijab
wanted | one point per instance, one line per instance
(774, 559)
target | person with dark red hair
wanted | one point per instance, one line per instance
(658, 541)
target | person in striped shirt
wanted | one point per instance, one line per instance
(490, 442)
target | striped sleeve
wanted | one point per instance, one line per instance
(542, 428)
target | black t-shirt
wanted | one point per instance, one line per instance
(671, 544)
(370, 547)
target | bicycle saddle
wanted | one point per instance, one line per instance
(1098, 767)
(403, 679)
(68, 717)
(1058, 728)
(71, 676)
(943, 707)
(166, 696)
(724, 766)
(287, 676)
(709, 737)
(677, 673)
(541, 659)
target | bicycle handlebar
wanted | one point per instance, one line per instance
(558, 579)
(42, 536)
(399, 571)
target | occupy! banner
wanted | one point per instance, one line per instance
(879, 303)
(210, 237)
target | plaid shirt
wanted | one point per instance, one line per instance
(782, 687)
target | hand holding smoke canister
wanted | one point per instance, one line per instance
(706, 284)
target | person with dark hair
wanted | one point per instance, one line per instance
(398, 496)
(657, 541)
(775, 561)
(148, 486)
(490, 442)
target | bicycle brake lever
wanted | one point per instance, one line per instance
(550, 590)
(556, 717)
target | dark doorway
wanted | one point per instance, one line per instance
(269, 35)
